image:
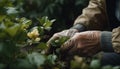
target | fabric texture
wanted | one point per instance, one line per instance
(95, 17)
(110, 59)
(106, 41)
(79, 27)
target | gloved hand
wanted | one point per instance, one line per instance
(85, 44)
(68, 33)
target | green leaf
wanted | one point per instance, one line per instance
(22, 64)
(36, 58)
(7, 23)
(63, 40)
(59, 42)
(11, 10)
(107, 67)
(75, 65)
(48, 28)
(2, 35)
(2, 26)
(2, 17)
(42, 20)
(42, 46)
(25, 23)
(2, 66)
(48, 23)
(13, 30)
(51, 59)
(8, 51)
(2, 31)
(95, 64)
(41, 30)
(53, 20)
(116, 67)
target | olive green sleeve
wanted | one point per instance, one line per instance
(94, 16)
(116, 39)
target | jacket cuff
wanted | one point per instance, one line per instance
(79, 27)
(106, 41)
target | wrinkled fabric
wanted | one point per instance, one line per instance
(95, 17)
(116, 39)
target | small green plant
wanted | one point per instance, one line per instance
(23, 40)
(55, 50)
(16, 40)
(56, 44)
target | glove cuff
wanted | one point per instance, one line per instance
(79, 27)
(106, 41)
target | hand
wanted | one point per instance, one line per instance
(68, 33)
(85, 44)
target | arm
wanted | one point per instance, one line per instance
(110, 41)
(94, 16)
(116, 39)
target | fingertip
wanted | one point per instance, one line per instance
(54, 37)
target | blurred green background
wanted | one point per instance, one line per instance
(64, 11)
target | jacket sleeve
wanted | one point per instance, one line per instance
(116, 39)
(94, 16)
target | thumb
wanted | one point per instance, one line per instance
(54, 37)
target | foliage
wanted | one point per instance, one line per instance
(63, 11)
(24, 32)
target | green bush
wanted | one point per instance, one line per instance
(24, 30)
(64, 11)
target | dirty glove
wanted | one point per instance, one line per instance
(84, 44)
(68, 33)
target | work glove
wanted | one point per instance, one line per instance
(85, 44)
(65, 33)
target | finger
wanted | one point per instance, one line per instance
(87, 51)
(67, 45)
(54, 37)
(73, 51)
(65, 48)
(90, 51)
(50, 48)
(72, 32)
(82, 51)
(71, 46)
